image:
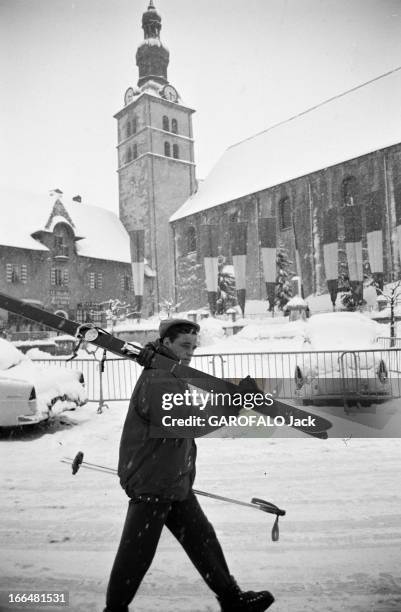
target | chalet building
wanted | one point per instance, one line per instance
(330, 178)
(64, 255)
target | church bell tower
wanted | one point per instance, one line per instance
(156, 168)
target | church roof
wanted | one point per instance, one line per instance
(365, 119)
(100, 232)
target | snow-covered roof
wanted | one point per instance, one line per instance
(57, 219)
(362, 120)
(296, 301)
(103, 235)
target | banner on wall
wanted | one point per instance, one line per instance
(268, 244)
(238, 241)
(297, 255)
(330, 252)
(374, 235)
(137, 247)
(353, 249)
(209, 240)
(397, 197)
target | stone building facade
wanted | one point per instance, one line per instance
(324, 159)
(156, 169)
(299, 207)
(51, 264)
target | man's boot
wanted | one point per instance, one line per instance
(235, 600)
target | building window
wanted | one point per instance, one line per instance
(128, 130)
(349, 189)
(167, 151)
(125, 282)
(129, 155)
(134, 125)
(16, 273)
(165, 122)
(60, 248)
(191, 239)
(174, 126)
(58, 241)
(234, 217)
(59, 277)
(284, 213)
(95, 280)
(176, 151)
(134, 151)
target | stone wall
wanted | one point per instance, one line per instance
(64, 297)
(377, 176)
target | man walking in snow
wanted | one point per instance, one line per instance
(157, 474)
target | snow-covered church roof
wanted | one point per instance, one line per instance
(101, 233)
(360, 121)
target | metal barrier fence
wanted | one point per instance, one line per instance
(373, 373)
(387, 342)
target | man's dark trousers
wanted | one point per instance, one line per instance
(146, 517)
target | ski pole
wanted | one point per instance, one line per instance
(257, 503)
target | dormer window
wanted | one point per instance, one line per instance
(63, 234)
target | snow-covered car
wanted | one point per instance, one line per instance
(30, 393)
(342, 360)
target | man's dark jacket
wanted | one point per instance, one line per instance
(157, 466)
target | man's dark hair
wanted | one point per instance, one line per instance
(182, 328)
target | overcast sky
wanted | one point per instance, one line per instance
(243, 65)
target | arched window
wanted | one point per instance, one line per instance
(191, 239)
(176, 151)
(128, 131)
(134, 124)
(129, 155)
(167, 151)
(135, 151)
(284, 213)
(174, 126)
(348, 191)
(166, 126)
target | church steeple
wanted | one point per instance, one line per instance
(152, 57)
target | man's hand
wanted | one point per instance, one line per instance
(146, 355)
(248, 385)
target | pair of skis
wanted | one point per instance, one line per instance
(101, 338)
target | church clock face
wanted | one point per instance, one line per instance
(170, 93)
(129, 96)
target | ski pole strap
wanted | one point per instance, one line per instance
(266, 506)
(275, 530)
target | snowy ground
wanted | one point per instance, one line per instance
(340, 543)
